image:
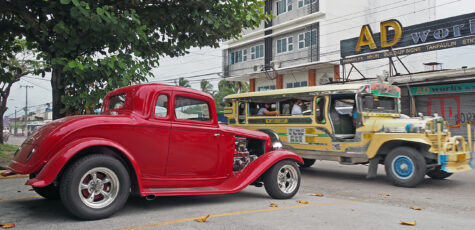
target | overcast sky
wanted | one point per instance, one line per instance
(208, 61)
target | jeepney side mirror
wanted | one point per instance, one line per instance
(368, 101)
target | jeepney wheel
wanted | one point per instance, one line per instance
(405, 167)
(307, 162)
(282, 180)
(438, 174)
(50, 192)
(95, 187)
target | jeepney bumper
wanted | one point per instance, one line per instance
(456, 162)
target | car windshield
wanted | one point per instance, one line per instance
(379, 104)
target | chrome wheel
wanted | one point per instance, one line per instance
(287, 179)
(98, 187)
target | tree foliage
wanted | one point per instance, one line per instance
(206, 87)
(226, 88)
(183, 82)
(16, 61)
(93, 46)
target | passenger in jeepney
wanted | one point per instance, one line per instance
(264, 111)
(297, 108)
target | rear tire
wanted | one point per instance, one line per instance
(405, 167)
(282, 180)
(438, 174)
(95, 187)
(307, 162)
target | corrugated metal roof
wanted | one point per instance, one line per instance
(310, 89)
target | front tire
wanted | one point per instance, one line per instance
(405, 167)
(95, 187)
(438, 174)
(282, 180)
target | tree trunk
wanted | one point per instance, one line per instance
(3, 109)
(57, 85)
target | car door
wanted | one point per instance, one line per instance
(155, 137)
(194, 140)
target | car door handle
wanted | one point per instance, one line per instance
(217, 134)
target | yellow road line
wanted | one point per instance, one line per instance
(234, 213)
(19, 198)
(13, 176)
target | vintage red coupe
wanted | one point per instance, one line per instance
(151, 140)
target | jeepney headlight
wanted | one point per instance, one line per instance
(415, 128)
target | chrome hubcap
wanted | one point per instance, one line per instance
(287, 179)
(98, 187)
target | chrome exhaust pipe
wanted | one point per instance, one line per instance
(150, 197)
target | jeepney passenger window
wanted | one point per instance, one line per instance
(161, 108)
(241, 112)
(320, 110)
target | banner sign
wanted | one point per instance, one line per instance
(443, 89)
(394, 35)
(412, 50)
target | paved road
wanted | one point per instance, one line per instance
(350, 201)
(15, 140)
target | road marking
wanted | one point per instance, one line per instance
(19, 198)
(233, 214)
(13, 176)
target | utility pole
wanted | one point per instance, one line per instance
(26, 108)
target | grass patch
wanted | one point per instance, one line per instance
(6, 153)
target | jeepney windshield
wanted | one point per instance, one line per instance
(379, 104)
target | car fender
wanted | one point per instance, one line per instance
(54, 166)
(255, 169)
(380, 139)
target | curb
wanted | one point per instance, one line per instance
(13, 176)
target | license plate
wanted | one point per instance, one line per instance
(461, 157)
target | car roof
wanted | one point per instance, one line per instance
(156, 87)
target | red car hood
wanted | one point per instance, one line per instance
(244, 132)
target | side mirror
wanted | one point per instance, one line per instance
(368, 101)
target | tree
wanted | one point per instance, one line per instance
(206, 87)
(183, 82)
(95, 44)
(226, 88)
(15, 62)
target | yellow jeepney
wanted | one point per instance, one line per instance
(354, 124)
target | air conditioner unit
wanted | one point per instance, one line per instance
(275, 64)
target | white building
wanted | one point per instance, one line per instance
(301, 45)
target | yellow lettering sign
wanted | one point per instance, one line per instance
(366, 39)
(396, 25)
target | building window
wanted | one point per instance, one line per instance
(285, 44)
(237, 56)
(308, 38)
(303, 3)
(283, 6)
(257, 51)
(266, 88)
(297, 84)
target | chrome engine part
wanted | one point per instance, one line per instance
(242, 157)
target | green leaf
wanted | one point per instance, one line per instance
(72, 64)
(65, 2)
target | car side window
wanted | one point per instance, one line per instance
(161, 108)
(187, 108)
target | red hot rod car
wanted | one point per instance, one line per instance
(151, 140)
